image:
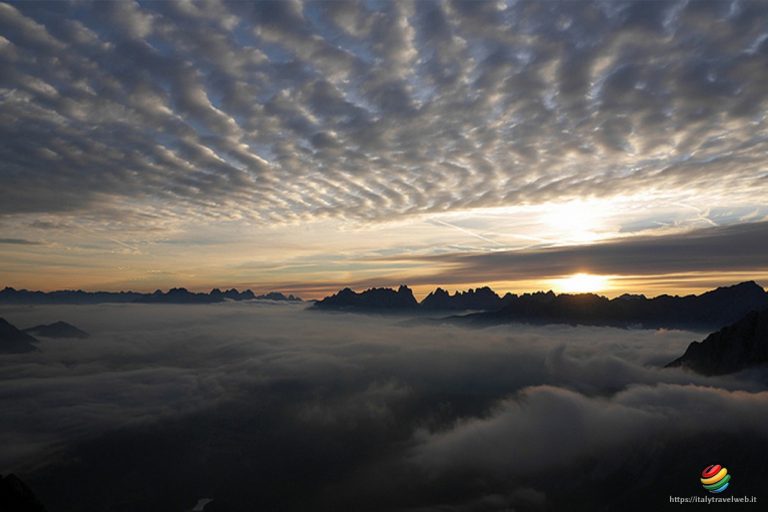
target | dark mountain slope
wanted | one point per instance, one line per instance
(732, 348)
(16, 496)
(14, 341)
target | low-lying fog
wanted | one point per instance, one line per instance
(263, 406)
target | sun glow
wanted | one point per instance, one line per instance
(578, 221)
(582, 283)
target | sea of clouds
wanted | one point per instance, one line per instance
(265, 406)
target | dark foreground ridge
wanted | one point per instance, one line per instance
(733, 348)
(172, 296)
(14, 341)
(712, 309)
(16, 496)
(57, 330)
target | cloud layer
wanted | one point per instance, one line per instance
(289, 111)
(274, 406)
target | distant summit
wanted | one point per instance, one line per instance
(732, 348)
(712, 309)
(172, 296)
(14, 341)
(278, 296)
(232, 294)
(371, 299)
(57, 330)
(480, 299)
(180, 296)
(184, 296)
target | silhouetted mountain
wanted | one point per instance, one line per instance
(13, 296)
(57, 330)
(711, 309)
(732, 348)
(179, 296)
(14, 341)
(16, 496)
(371, 299)
(173, 296)
(233, 294)
(482, 298)
(278, 296)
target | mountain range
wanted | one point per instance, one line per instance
(712, 309)
(173, 296)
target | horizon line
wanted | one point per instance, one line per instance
(358, 290)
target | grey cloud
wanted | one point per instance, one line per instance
(172, 363)
(17, 241)
(717, 249)
(561, 425)
(231, 106)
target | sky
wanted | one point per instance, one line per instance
(307, 146)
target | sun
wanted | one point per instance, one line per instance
(582, 283)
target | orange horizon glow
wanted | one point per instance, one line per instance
(609, 286)
(318, 258)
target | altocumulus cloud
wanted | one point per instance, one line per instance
(281, 111)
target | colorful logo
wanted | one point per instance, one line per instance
(715, 478)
